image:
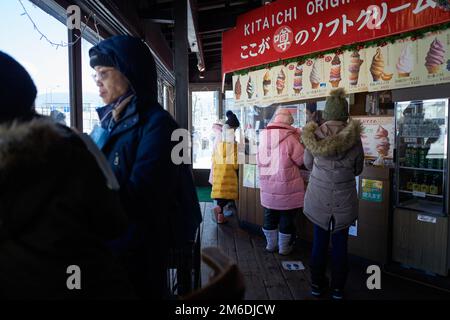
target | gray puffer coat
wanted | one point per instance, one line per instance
(335, 155)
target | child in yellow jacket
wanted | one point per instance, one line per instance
(225, 167)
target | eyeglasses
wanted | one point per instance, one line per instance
(101, 75)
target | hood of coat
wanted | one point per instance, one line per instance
(276, 133)
(332, 139)
(134, 60)
(28, 144)
(34, 162)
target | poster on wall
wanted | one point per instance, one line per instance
(267, 84)
(296, 90)
(249, 176)
(252, 91)
(434, 55)
(314, 79)
(334, 67)
(355, 76)
(380, 68)
(237, 91)
(372, 190)
(378, 137)
(407, 63)
(282, 83)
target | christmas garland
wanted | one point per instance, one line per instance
(414, 35)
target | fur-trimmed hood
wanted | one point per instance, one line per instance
(29, 145)
(332, 139)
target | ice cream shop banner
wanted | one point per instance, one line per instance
(405, 63)
(286, 29)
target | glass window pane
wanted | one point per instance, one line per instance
(205, 109)
(91, 98)
(47, 64)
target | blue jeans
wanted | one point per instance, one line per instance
(339, 257)
(282, 218)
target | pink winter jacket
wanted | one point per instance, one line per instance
(280, 154)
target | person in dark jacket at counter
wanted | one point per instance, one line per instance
(335, 155)
(53, 228)
(135, 135)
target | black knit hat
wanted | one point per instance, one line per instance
(232, 120)
(98, 58)
(17, 90)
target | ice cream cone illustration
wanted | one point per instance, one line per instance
(383, 144)
(335, 73)
(281, 79)
(435, 57)
(238, 89)
(377, 67)
(405, 62)
(266, 83)
(250, 88)
(298, 78)
(314, 77)
(354, 68)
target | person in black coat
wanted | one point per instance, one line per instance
(51, 216)
(135, 135)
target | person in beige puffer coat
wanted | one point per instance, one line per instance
(335, 155)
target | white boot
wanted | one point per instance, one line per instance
(285, 246)
(272, 239)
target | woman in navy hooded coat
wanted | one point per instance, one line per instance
(135, 135)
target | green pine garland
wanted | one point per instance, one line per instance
(416, 34)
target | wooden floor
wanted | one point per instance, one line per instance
(266, 279)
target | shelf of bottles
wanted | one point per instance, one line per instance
(421, 166)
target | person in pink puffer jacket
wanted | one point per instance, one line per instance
(280, 155)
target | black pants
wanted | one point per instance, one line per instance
(339, 267)
(285, 219)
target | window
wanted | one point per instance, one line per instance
(46, 64)
(91, 98)
(205, 110)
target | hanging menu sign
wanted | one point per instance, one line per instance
(287, 29)
(405, 63)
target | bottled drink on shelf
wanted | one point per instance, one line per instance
(430, 163)
(416, 183)
(413, 156)
(422, 158)
(408, 155)
(435, 184)
(425, 186)
(409, 184)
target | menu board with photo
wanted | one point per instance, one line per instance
(283, 82)
(355, 76)
(253, 92)
(378, 137)
(380, 68)
(237, 91)
(314, 79)
(434, 55)
(296, 89)
(407, 63)
(334, 67)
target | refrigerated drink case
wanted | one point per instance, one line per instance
(421, 166)
(420, 222)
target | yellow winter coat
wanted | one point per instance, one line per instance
(225, 179)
